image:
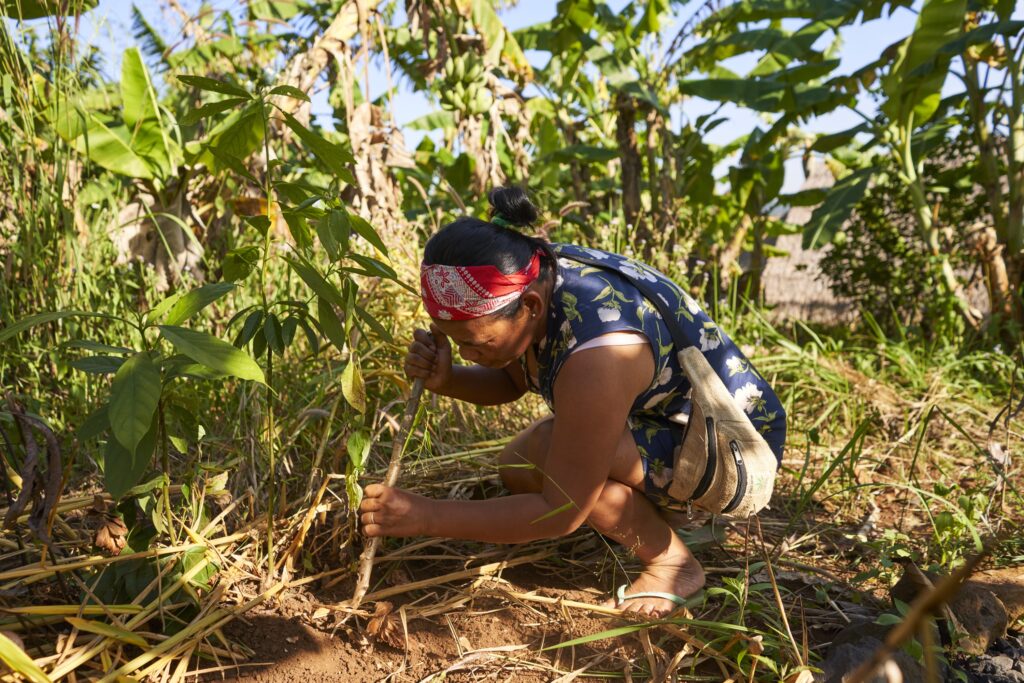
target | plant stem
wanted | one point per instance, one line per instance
(268, 191)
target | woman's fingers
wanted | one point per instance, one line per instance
(424, 337)
(423, 351)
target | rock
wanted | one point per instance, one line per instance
(982, 618)
(979, 615)
(856, 644)
(1001, 663)
(993, 669)
(1008, 586)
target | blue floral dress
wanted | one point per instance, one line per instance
(589, 302)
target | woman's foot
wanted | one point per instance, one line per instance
(675, 572)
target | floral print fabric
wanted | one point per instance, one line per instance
(589, 302)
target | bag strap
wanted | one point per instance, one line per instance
(674, 329)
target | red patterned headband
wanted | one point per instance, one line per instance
(466, 292)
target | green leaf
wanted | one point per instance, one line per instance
(214, 353)
(329, 322)
(317, 282)
(252, 323)
(161, 308)
(98, 365)
(123, 469)
(180, 365)
(17, 661)
(211, 85)
(583, 153)
(260, 222)
(272, 331)
(290, 91)
(227, 160)
(110, 148)
(358, 447)
(888, 619)
(326, 234)
(89, 345)
(42, 318)
(288, 329)
(758, 94)
(366, 231)
(651, 20)
(196, 300)
(374, 324)
(239, 263)
(298, 228)
(352, 387)
(333, 156)
(373, 267)
(311, 337)
(235, 137)
(436, 120)
(914, 84)
(499, 43)
(94, 425)
(209, 109)
(557, 511)
(828, 218)
(141, 113)
(108, 631)
(610, 633)
(134, 395)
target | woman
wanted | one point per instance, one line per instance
(571, 324)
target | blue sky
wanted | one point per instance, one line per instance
(109, 25)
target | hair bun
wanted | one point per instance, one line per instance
(513, 205)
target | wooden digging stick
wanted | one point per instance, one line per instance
(394, 469)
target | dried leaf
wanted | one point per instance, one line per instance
(110, 535)
(384, 626)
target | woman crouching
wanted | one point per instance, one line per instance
(623, 357)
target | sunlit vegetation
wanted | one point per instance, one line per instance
(205, 294)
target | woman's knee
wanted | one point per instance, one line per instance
(611, 506)
(521, 462)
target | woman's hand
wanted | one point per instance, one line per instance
(387, 511)
(430, 358)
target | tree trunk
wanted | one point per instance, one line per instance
(989, 166)
(729, 256)
(668, 173)
(579, 188)
(625, 135)
(757, 263)
(996, 274)
(1015, 180)
(653, 131)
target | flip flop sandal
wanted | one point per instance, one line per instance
(621, 597)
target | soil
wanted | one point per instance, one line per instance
(487, 638)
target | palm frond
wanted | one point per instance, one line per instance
(150, 42)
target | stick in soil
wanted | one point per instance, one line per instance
(394, 469)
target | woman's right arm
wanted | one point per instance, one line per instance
(430, 358)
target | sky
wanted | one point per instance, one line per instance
(109, 26)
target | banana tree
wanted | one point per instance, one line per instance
(991, 70)
(133, 136)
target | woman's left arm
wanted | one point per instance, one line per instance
(593, 395)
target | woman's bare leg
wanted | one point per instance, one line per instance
(622, 513)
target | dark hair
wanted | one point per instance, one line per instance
(468, 241)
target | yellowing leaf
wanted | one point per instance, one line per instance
(102, 629)
(19, 662)
(352, 387)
